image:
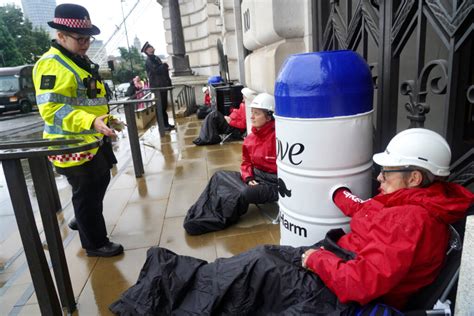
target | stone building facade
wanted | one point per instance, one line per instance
(257, 36)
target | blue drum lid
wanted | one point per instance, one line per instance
(323, 84)
(214, 79)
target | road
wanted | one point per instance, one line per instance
(14, 125)
(20, 125)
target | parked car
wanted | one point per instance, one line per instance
(17, 91)
(121, 89)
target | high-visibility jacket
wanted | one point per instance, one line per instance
(65, 106)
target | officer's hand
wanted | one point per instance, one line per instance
(228, 119)
(101, 127)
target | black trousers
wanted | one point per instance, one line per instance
(226, 198)
(164, 107)
(89, 183)
(88, 193)
(212, 127)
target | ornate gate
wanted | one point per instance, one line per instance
(421, 55)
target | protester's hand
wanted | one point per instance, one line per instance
(228, 119)
(305, 256)
(253, 182)
(117, 124)
(100, 126)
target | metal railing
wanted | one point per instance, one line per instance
(36, 152)
(186, 97)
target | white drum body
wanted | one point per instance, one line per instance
(314, 156)
(323, 113)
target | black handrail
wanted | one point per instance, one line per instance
(36, 152)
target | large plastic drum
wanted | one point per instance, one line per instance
(324, 133)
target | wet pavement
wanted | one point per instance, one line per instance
(139, 213)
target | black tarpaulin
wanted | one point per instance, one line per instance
(267, 280)
(226, 198)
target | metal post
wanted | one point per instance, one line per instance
(39, 270)
(54, 189)
(172, 106)
(134, 141)
(126, 35)
(39, 172)
(159, 112)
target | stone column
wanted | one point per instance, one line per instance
(179, 57)
(240, 40)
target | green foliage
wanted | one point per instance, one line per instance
(9, 54)
(123, 71)
(19, 42)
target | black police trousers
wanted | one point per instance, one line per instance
(164, 107)
(88, 193)
(89, 183)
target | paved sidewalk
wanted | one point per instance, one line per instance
(141, 213)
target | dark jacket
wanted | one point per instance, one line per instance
(157, 72)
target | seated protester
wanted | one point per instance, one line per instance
(216, 123)
(204, 110)
(229, 193)
(207, 97)
(396, 246)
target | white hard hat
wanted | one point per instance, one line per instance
(248, 93)
(263, 101)
(204, 89)
(417, 147)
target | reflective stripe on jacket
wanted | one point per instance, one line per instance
(65, 108)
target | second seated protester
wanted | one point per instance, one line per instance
(396, 246)
(229, 193)
(216, 124)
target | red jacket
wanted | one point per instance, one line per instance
(400, 240)
(237, 117)
(259, 151)
(207, 99)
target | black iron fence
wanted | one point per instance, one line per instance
(420, 52)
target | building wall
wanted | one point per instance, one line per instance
(202, 26)
(98, 53)
(271, 31)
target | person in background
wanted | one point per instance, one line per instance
(135, 91)
(207, 96)
(216, 123)
(397, 245)
(158, 77)
(71, 99)
(229, 193)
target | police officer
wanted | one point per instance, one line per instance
(71, 99)
(158, 75)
